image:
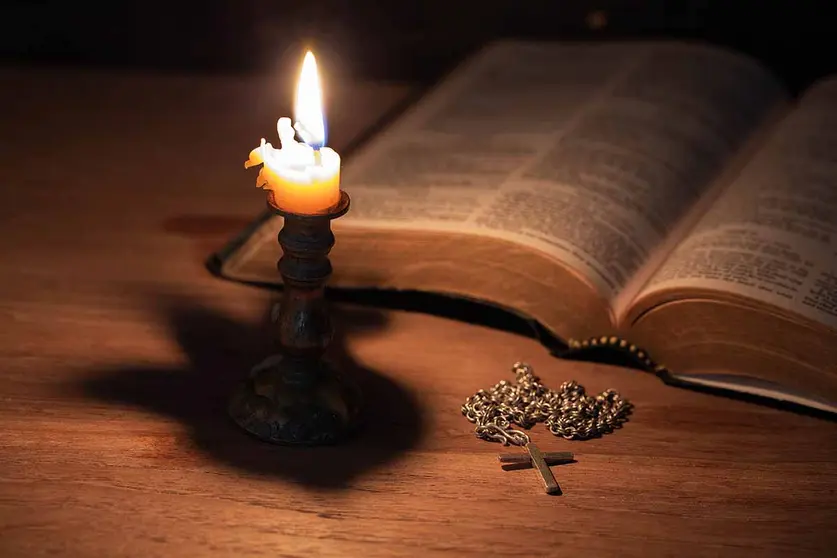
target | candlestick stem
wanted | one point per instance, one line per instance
(298, 396)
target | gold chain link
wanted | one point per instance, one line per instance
(568, 412)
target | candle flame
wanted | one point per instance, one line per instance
(308, 107)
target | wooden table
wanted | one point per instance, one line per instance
(118, 350)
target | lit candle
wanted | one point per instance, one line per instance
(304, 177)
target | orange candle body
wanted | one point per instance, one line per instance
(305, 198)
(303, 181)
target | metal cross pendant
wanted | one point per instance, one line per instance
(540, 461)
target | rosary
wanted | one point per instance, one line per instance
(568, 412)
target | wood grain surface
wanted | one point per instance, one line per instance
(118, 351)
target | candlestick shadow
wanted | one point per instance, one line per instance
(220, 352)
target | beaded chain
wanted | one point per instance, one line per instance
(641, 357)
(568, 412)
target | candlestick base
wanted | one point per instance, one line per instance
(296, 401)
(298, 397)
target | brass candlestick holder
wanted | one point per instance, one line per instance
(298, 396)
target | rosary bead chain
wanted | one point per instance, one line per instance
(569, 412)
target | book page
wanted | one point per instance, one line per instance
(588, 152)
(772, 236)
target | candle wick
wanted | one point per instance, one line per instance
(309, 140)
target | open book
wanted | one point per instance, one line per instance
(667, 193)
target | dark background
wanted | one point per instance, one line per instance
(407, 39)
